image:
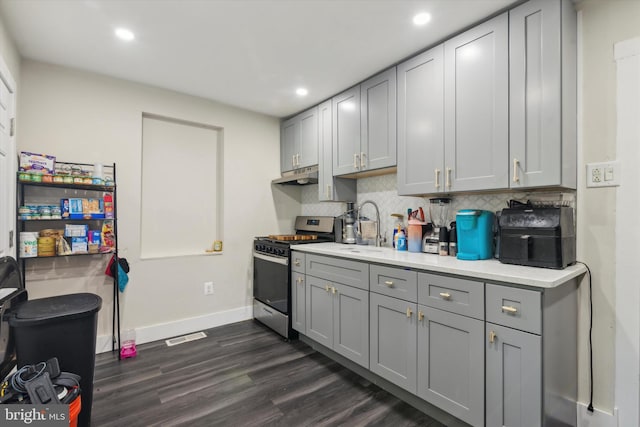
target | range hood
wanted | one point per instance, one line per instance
(303, 176)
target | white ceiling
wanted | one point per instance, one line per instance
(248, 53)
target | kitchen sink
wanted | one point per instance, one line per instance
(362, 249)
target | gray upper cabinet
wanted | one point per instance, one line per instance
(476, 85)
(421, 122)
(542, 71)
(364, 125)
(299, 141)
(378, 121)
(346, 131)
(330, 188)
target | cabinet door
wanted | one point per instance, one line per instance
(513, 377)
(351, 323)
(476, 84)
(298, 302)
(451, 363)
(421, 123)
(393, 340)
(346, 132)
(319, 311)
(535, 94)
(289, 140)
(330, 188)
(308, 148)
(378, 121)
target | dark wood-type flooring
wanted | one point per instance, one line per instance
(240, 375)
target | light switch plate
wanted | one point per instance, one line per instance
(604, 174)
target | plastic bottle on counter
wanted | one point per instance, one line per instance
(453, 240)
(401, 243)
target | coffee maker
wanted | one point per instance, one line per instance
(439, 213)
(349, 231)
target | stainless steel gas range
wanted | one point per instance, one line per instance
(272, 271)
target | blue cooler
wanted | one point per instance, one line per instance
(475, 234)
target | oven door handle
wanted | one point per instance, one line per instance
(277, 260)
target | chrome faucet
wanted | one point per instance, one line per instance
(378, 236)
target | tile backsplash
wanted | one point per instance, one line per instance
(382, 190)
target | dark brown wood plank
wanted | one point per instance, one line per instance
(243, 375)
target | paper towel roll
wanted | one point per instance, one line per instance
(97, 170)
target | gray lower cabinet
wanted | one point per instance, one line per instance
(513, 372)
(451, 363)
(298, 302)
(393, 340)
(337, 317)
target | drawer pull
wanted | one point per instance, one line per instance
(297, 262)
(492, 337)
(389, 283)
(327, 287)
(509, 309)
(334, 290)
(420, 315)
(445, 295)
(409, 312)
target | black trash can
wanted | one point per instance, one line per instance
(65, 327)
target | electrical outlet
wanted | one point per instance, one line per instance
(208, 288)
(605, 174)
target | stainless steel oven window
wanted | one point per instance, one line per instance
(271, 281)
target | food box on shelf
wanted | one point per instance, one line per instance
(37, 163)
(79, 245)
(76, 230)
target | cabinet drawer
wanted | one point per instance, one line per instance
(394, 282)
(297, 261)
(514, 307)
(460, 296)
(338, 270)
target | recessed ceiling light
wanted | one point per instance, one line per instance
(124, 34)
(301, 91)
(421, 18)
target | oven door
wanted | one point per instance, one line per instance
(271, 281)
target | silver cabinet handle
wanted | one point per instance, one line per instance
(363, 163)
(445, 295)
(328, 191)
(355, 160)
(492, 337)
(293, 161)
(389, 283)
(296, 262)
(516, 164)
(448, 178)
(437, 172)
(409, 312)
(509, 309)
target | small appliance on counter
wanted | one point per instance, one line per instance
(439, 213)
(475, 235)
(349, 230)
(538, 237)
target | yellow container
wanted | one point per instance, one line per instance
(46, 246)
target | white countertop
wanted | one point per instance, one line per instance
(491, 270)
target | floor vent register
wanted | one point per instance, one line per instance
(185, 338)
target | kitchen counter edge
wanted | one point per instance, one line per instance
(490, 270)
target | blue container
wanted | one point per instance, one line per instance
(475, 234)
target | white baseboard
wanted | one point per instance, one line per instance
(180, 327)
(596, 418)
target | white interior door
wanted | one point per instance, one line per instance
(7, 163)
